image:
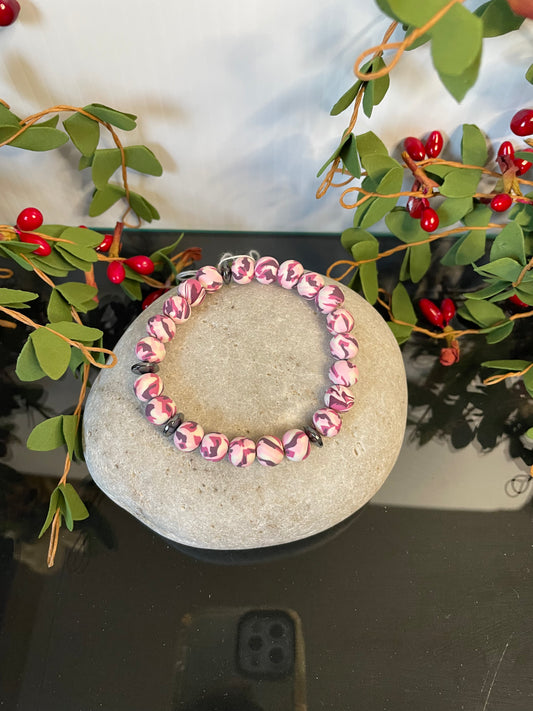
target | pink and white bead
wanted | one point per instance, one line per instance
(188, 436)
(243, 270)
(210, 278)
(178, 308)
(241, 451)
(339, 321)
(160, 409)
(309, 285)
(150, 350)
(147, 386)
(339, 398)
(269, 451)
(214, 446)
(289, 274)
(343, 347)
(344, 372)
(192, 290)
(296, 445)
(266, 270)
(329, 298)
(327, 422)
(161, 327)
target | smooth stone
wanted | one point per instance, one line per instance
(251, 361)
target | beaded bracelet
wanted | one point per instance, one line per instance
(269, 450)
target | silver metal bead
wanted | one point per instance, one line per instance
(173, 424)
(142, 368)
(313, 435)
(225, 270)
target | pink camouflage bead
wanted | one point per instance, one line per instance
(339, 321)
(161, 327)
(339, 398)
(327, 422)
(269, 451)
(296, 445)
(192, 290)
(344, 372)
(329, 298)
(210, 278)
(242, 270)
(309, 285)
(289, 274)
(178, 308)
(266, 270)
(160, 409)
(214, 446)
(188, 436)
(150, 350)
(241, 451)
(147, 386)
(343, 347)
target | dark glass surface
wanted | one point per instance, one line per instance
(421, 600)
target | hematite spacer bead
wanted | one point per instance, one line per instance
(313, 435)
(142, 368)
(225, 270)
(173, 424)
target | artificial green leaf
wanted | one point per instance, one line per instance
(16, 297)
(458, 85)
(498, 18)
(132, 289)
(53, 264)
(52, 508)
(527, 379)
(85, 162)
(58, 309)
(405, 274)
(401, 333)
(402, 308)
(51, 122)
(437, 171)
(76, 505)
(76, 331)
(78, 445)
(28, 368)
(461, 182)
(82, 236)
(405, 227)
(379, 165)
(525, 296)
(165, 251)
(529, 75)
(367, 247)
(499, 334)
(84, 133)
(419, 261)
(79, 257)
(453, 209)
(105, 162)
(8, 118)
(385, 7)
(353, 235)
(484, 313)
(70, 427)
(368, 143)
(65, 509)
(77, 294)
(529, 433)
(454, 57)
(140, 206)
(361, 211)
(522, 214)
(509, 243)
(39, 138)
(489, 291)
(473, 146)
(368, 98)
(120, 119)
(414, 12)
(53, 353)
(509, 365)
(350, 157)
(105, 198)
(381, 206)
(381, 85)
(479, 217)
(504, 268)
(52, 230)
(47, 435)
(336, 153)
(342, 104)
(142, 159)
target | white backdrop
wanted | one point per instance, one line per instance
(234, 99)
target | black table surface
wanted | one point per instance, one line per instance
(415, 602)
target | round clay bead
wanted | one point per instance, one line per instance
(266, 270)
(343, 347)
(192, 290)
(289, 273)
(241, 451)
(178, 308)
(269, 451)
(339, 398)
(188, 436)
(296, 445)
(329, 298)
(214, 446)
(161, 327)
(344, 372)
(160, 409)
(327, 422)
(150, 350)
(243, 269)
(339, 321)
(309, 285)
(210, 278)
(147, 387)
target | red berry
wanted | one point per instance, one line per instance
(116, 272)
(9, 11)
(105, 244)
(29, 219)
(434, 144)
(518, 302)
(448, 310)
(432, 312)
(151, 297)
(416, 206)
(429, 220)
(506, 149)
(43, 249)
(522, 122)
(415, 148)
(141, 264)
(501, 202)
(522, 164)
